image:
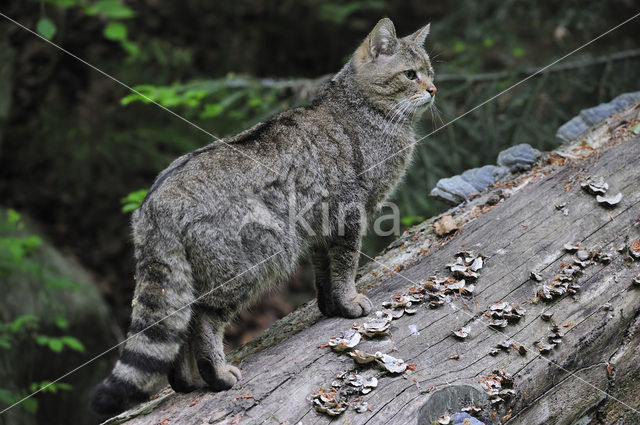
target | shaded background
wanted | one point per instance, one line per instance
(74, 143)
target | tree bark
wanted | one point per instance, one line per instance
(590, 377)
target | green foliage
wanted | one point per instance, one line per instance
(133, 200)
(49, 387)
(18, 256)
(517, 52)
(62, 3)
(46, 28)
(409, 221)
(9, 398)
(116, 31)
(57, 344)
(236, 101)
(169, 97)
(636, 129)
(111, 11)
(14, 250)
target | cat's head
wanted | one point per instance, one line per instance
(395, 73)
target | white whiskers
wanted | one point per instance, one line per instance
(399, 113)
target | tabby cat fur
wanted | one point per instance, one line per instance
(226, 221)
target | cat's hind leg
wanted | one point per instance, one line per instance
(185, 377)
(208, 343)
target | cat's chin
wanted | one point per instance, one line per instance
(424, 106)
(427, 100)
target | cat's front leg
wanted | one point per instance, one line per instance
(322, 275)
(344, 253)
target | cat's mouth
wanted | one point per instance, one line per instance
(426, 99)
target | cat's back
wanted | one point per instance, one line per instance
(224, 172)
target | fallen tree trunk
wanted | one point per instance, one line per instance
(590, 376)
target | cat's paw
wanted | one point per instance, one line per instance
(220, 378)
(227, 377)
(357, 306)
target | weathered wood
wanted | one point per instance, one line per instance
(590, 378)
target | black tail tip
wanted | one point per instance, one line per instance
(107, 400)
(113, 396)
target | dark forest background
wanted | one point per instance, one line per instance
(77, 150)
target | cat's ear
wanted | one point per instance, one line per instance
(382, 39)
(421, 35)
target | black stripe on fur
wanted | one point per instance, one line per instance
(156, 333)
(144, 362)
(114, 395)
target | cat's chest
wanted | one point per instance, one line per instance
(386, 168)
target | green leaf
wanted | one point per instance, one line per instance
(116, 31)
(488, 42)
(411, 220)
(4, 342)
(62, 322)
(9, 397)
(133, 200)
(56, 345)
(517, 52)
(254, 102)
(130, 47)
(636, 129)
(211, 110)
(111, 9)
(133, 97)
(130, 207)
(63, 3)
(30, 405)
(459, 46)
(13, 216)
(46, 28)
(23, 322)
(63, 386)
(49, 387)
(73, 343)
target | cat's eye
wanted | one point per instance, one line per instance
(410, 74)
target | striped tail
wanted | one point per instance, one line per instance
(159, 325)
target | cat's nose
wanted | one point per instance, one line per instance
(432, 90)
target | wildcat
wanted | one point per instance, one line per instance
(216, 227)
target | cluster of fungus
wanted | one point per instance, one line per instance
(467, 264)
(633, 254)
(498, 385)
(553, 339)
(632, 250)
(566, 281)
(347, 389)
(502, 313)
(598, 187)
(506, 346)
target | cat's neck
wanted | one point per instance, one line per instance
(343, 88)
(385, 147)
